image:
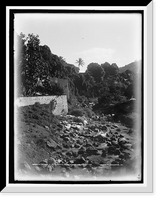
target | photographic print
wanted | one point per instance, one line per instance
(78, 111)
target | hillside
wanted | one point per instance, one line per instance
(73, 148)
(134, 67)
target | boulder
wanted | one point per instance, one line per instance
(80, 160)
(102, 146)
(51, 143)
(68, 126)
(78, 119)
(74, 152)
(82, 150)
(51, 161)
(122, 140)
(104, 128)
(78, 127)
(91, 151)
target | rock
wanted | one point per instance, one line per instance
(85, 122)
(102, 146)
(101, 133)
(67, 139)
(104, 128)
(75, 152)
(115, 126)
(121, 136)
(122, 140)
(46, 127)
(130, 131)
(95, 159)
(109, 143)
(80, 141)
(82, 150)
(121, 156)
(91, 151)
(76, 145)
(104, 153)
(111, 150)
(93, 127)
(99, 138)
(114, 163)
(59, 161)
(117, 151)
(65, 145)
(80, 160)
(96, 130)
(51, 143)
(99, 152)
(114, 142)
(60, 126)
(51, 161)
(95, 144)
(64, 122)
(78, 127)
(78, 119)
(68, 126)
(70, 116)
(69, 153)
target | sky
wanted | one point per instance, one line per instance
(112, 38)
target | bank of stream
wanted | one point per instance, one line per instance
(68, 147)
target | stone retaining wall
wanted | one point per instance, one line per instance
(61, 107)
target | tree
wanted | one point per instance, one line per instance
(80, 62)
(96, 71)
(33, 67)
(109, 69)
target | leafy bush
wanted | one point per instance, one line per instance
(76, 112)
(88, 112)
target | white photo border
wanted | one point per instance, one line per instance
(147, 185)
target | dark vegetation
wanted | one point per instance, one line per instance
(106, 84)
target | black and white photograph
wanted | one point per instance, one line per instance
(78, 111)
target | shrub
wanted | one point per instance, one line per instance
(88, 112)
(76, 112)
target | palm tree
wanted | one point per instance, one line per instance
(80, 62)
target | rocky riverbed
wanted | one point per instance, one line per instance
(74, 148)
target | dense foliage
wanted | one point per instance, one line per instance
(35, 64)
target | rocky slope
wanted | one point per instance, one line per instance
(71, 148)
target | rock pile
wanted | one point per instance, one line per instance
(95, 147)
(81, 147)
